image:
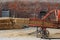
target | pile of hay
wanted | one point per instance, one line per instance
(13, 23)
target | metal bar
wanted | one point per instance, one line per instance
(47, 14)
(37, 32)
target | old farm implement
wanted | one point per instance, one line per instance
(49, 20)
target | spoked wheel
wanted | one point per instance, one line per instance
(44, 33)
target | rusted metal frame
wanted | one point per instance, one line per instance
(47, 14)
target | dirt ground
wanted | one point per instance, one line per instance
(54, 33)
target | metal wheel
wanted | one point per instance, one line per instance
(44, 33)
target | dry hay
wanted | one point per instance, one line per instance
(21, 22)
(6, 23)
(13, 23)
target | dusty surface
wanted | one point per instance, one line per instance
(23, 33)
(26, 31)
(16, 32)
(54, 33)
